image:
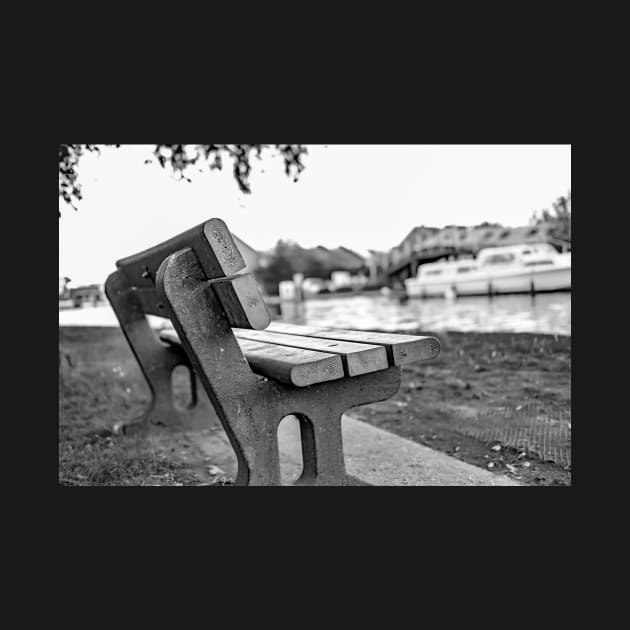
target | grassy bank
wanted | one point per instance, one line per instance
(501, 401)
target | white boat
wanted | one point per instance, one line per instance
(511, 269)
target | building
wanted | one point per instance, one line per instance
(344, 259)
(422, 244)
(428, 244)
(497, 236)
(94, 293)
(377, 263)
(89, 294)
(338, 259)
(64, 292)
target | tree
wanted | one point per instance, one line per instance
(181, 157)
(287, 259)
(560, 218)
(279, 268)
(69, 155)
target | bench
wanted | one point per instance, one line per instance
(255, 372)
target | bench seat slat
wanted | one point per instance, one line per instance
(401, 349)
(357, 358)
(293, 366)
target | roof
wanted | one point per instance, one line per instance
(473, 238)
(420, 228)
(341, 258)
(351, 252)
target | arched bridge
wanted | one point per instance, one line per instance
(407, 267)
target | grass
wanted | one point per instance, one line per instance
(481, 382)
(90, 401)
(501, 401)
(100, 385)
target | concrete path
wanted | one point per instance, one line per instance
(102, 315)
(373, 456)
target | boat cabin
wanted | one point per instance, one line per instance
(516, 253)
(509, 269)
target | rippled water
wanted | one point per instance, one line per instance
(542, 313)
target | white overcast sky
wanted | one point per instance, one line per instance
(361, 196)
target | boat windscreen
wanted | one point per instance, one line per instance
(499, 259)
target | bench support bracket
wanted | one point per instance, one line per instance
(250, 407)
(157, 362)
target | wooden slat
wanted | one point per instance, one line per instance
(401, 349)
(357, 358)
(292, 366)
(242, 301)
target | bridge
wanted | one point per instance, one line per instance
(404, 260)
(407, 266)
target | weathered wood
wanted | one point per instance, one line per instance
(211, 241)
(357, 358)
(401, 349)
(292, 366)
(242, 301)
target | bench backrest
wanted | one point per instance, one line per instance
(220, 260)
(211, 241)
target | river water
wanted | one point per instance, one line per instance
(542, 313)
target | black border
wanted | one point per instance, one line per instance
(513, 104)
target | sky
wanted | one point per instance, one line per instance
(359, 196)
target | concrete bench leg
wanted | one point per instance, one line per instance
(157, 362)
(250, 408)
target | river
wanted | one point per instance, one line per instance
(542, 313)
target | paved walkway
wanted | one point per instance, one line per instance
(373, 456)
(102, 315)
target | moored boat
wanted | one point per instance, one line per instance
(496, 270)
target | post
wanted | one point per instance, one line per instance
(292, 299)
(298, 278)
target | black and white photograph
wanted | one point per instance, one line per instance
(314, 315)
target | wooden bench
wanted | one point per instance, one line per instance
(254, 372)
